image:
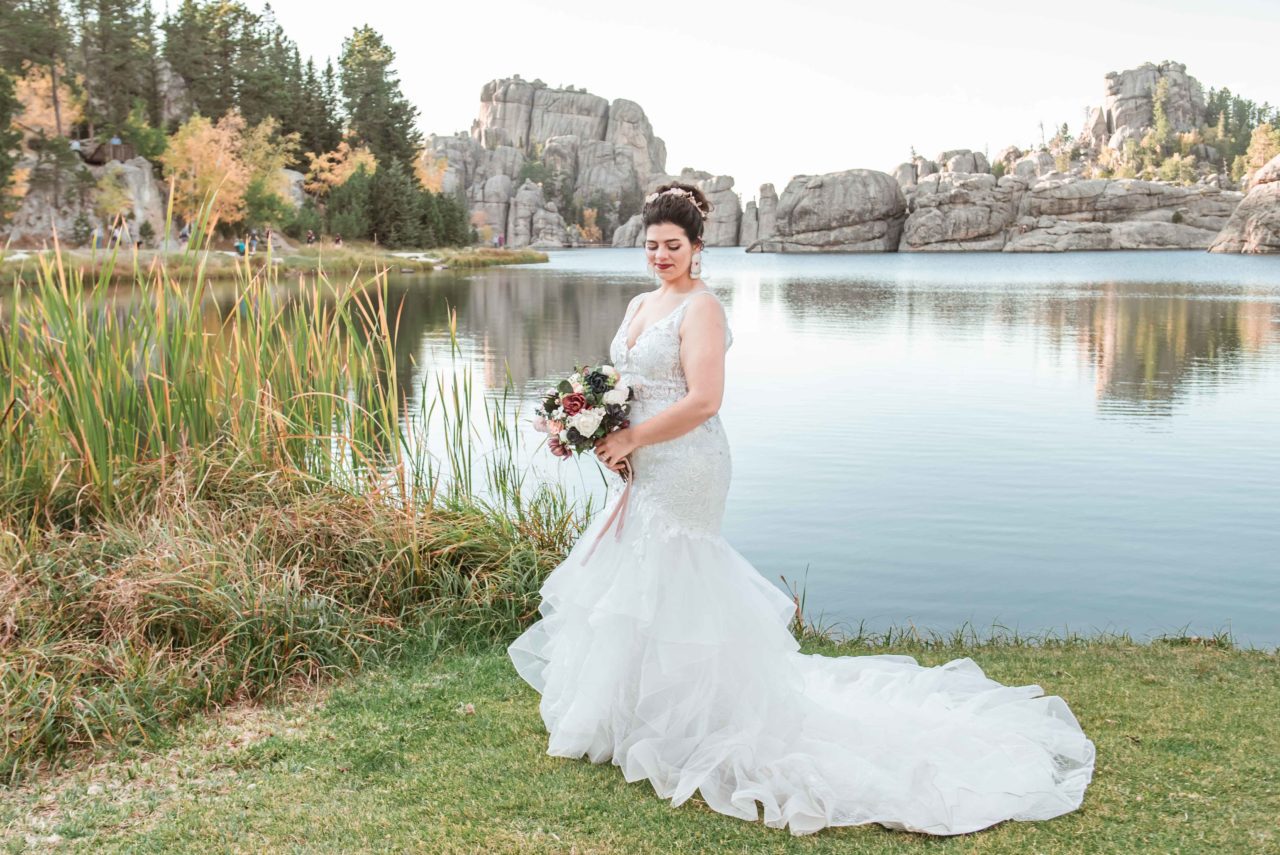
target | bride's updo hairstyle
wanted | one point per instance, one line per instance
(682, 204)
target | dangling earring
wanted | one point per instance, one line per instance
(695, 269)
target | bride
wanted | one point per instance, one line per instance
(662, 650)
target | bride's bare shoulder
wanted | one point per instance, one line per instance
(705, 313)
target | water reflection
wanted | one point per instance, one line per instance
(1080, 441)
(1144, 346)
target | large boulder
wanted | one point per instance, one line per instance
(1033, 165)
(858, 210)
(293, 182)
(549, 231)
(1254, 226)
(961, 211)
(630, 233)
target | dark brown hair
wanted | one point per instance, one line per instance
(677, 209)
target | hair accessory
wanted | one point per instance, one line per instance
(675, 191)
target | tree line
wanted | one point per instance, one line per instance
(215, 73)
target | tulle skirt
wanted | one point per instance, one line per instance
(669, 655)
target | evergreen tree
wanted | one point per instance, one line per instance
(36, 33)
(347, 209)
(395, 207)
(9, 139)
(378, 114)
(320, 130)
(112, 58)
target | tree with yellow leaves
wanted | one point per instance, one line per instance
(430, 171)
(205, 162)
(332, 169)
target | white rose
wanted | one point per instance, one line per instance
(587, 421)
(616, 395)
(608, 371)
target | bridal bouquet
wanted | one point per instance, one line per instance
(590, 404)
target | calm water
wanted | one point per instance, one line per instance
(1078, 442)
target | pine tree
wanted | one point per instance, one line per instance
(9, 139)
(36, 33)
(347, 208)
(111, 52)
(395, 208)
(378, 113)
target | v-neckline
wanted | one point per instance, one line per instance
(626, 324)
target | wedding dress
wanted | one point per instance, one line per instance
(668, 654)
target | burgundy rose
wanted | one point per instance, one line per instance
(558, 448)
(573, 403)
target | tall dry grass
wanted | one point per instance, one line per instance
(202, 500)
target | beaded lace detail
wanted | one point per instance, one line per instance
(681, 484)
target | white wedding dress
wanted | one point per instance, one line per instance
(668, 654)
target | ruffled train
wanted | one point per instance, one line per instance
(669, 655)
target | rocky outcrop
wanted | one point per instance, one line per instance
(293, 182)
(577, 145)
(629, 130)
(768, 212)
(529, 222)
(749, 231)
(1254, 226)
(630, 233)
(1059, 214)
(1033, 165)
(1128, 108)
(47, 206)
(962, 211)
(956, 211)
(858, 210)
(490, 202)
(726, 210)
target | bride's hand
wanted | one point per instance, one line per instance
(613, 448)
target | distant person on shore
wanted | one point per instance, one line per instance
(184, 234)
(311, 237)
(337, 240)
(242, 246)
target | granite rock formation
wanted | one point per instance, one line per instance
(1254, 226)
(858, 210)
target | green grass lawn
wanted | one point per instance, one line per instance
(391, 760)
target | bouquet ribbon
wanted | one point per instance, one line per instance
(619, 513)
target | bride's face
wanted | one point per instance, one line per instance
(667, 248)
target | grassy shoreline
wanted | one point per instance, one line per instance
(127, 264)
(392, 759)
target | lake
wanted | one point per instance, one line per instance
(1073, 442)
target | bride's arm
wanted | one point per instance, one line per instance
(702, 358)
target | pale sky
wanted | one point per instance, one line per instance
(766, 91)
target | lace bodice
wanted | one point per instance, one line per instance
(684, 480)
